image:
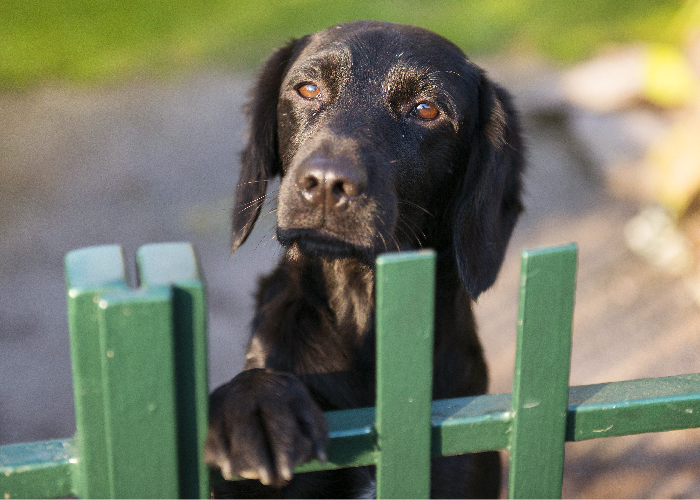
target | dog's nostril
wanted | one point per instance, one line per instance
(311, 189)
(309, 182)
(345, 188)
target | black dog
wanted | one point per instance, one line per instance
(387, 138)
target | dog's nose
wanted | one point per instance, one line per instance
(330, 183)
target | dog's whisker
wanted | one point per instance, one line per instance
(408, 236)
(406, 202)
(263, 181)
(266, 198)
(396, 243)
(267, 194)
(404, 221)
(271, 209)
(266, 238)
(252, 204)
(386, 248)
(437, 72)
(407, 220)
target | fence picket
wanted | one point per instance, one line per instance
(139, 369)
(175, 265)
(90, 272)
(405, 296)
(541, 382)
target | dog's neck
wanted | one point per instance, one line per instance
(350, 288)
(346, 286)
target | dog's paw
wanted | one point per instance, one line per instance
(263, 424)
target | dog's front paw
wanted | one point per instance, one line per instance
(262, 425)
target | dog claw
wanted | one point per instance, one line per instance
(286, 474)
(264, 477)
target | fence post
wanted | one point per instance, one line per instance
(541, 381)
(175, 265)
(405, 297)
(140, 373)
(137, 354)
(89, 272)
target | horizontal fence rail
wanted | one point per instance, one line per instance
(140, 387)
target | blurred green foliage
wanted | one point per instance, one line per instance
(93, 41)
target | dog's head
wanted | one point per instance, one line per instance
(387, 138)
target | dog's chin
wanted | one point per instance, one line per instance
(312, 243)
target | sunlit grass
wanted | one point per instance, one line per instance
(93, 41)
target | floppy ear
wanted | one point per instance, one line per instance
(260, 160)
(487, 204)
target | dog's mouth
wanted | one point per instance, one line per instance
(315, 243)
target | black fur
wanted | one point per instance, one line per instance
(363, 172)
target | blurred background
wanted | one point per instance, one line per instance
(122, 122)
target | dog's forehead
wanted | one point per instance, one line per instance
(380, 44)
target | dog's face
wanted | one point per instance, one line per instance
(368, 123)
(387, 138)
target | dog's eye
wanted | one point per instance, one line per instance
(309, 90)
(425, 111)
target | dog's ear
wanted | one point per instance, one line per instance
(487, 203)
(260, 160)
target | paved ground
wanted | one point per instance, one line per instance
(148, 162)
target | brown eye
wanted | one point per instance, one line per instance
(426, 111)
(309, 90)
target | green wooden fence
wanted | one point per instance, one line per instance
(140, 386)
